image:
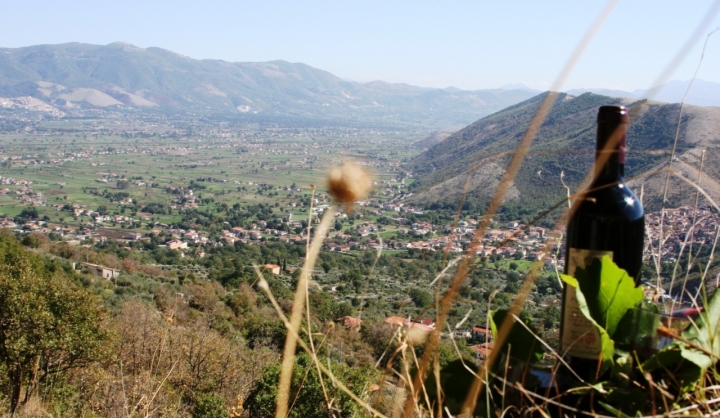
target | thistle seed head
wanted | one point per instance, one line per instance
(349, 183)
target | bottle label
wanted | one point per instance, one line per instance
(580, 338)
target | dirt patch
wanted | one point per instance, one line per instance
(112, 234)
(53, 192)
(92, 96)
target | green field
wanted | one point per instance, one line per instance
(224, 170)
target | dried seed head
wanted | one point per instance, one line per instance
(349, 183)
(416, 335)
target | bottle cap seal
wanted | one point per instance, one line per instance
(612, 114)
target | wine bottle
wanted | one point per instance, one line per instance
(605, 219)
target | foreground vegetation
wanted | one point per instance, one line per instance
(70, 348)
(224, 327)
(159, 342)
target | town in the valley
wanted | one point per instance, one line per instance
(150, 182)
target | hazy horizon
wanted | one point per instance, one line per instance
(465, 45)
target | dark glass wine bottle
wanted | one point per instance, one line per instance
(606, 219)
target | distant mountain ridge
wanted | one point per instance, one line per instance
(565, 144)
(121, 74)
(520, 86)
(702, 93)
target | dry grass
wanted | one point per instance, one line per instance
(417, 402)
(411, 398)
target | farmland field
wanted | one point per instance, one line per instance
(92, 162)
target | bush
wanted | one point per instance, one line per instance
(30, 212)
(210, 406)
(306, 391)
(49, 324)
(420, 298)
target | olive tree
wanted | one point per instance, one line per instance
(48, 324)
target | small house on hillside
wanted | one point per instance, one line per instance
(272, 268)
(133, 236)
(176, 245)
(481, 334)
(108, 273)
(482, 351)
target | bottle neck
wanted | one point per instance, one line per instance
(610, 152)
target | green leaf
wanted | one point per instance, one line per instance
(520, 343)
(637, 329)
(616, 412)
(606, 343)
(685, 363)
(678, 363)
(705, 332)
(609, 291)
(621, 369)
(607, 296)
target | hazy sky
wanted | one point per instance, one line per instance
(467, 44)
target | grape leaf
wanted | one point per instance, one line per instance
(607, 345)
(606, 295)
(609, 291)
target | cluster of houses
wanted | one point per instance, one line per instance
(680, 228)
(55, 158)
(390, 206)
(256, 232)
(511, 240)
(73, 236)
(74, 156)
(668, 232)
(23, 192)
(185, 200)
(80, 210)
(14, 182)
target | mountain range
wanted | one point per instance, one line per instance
(477, 156)
(122, 76)
(701, 93)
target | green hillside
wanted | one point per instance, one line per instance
(564, 144)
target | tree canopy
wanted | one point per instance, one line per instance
(48, 324)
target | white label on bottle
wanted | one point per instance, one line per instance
(580, 338)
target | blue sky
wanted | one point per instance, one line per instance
(467, 44)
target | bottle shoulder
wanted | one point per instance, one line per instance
(615, 200)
